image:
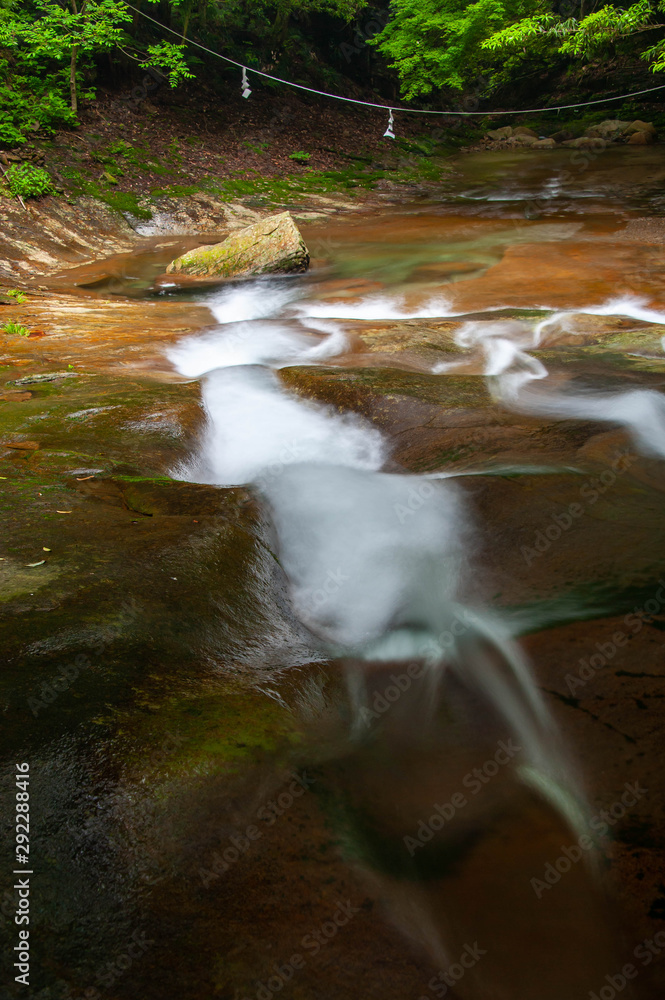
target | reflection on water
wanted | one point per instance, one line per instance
(613, 180)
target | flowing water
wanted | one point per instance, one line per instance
(407, 433)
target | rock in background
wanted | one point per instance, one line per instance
(637, 133)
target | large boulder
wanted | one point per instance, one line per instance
(609, 130)
(523, 130)
(641, 138)
(500, 133)
(647, 128)
(522, 140)
(272, 246)
(585, 142)
(563, 135)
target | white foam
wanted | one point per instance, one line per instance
(375, 307)
(251, 300)
(376, 562)
(640, 411)
(367, 552)
(629, 306)
(507, 362)
(252, 343)
(511, 369)
(255, 430)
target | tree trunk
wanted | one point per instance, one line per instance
(185, 23)
(72, 79)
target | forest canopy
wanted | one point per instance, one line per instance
(54, 53)
(439, 44)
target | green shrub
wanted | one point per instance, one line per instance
(15, 329)
(16, 293)
(28, 181)
(30, 102)
(300, 157)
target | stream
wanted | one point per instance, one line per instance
(333, 605)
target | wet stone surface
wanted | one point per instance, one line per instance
(201, 814)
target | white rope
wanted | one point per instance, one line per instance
(389, 133)
(387, 107)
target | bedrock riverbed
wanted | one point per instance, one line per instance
(164, 685)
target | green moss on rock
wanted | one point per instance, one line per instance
(272, 246)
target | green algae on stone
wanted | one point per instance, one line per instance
(18, 578)
(105, 419)
(217, 726)
(358, 388)
(171, 596)
(272, 246)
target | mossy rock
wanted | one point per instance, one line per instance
(272, 246)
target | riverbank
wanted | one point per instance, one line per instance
(134, 170)
(158, 166)
(149, 166)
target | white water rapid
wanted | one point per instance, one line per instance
(377, 563)
(512, 370)
(380, 569)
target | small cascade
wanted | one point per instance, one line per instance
(380, 569)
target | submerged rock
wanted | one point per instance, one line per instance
(273, 246)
